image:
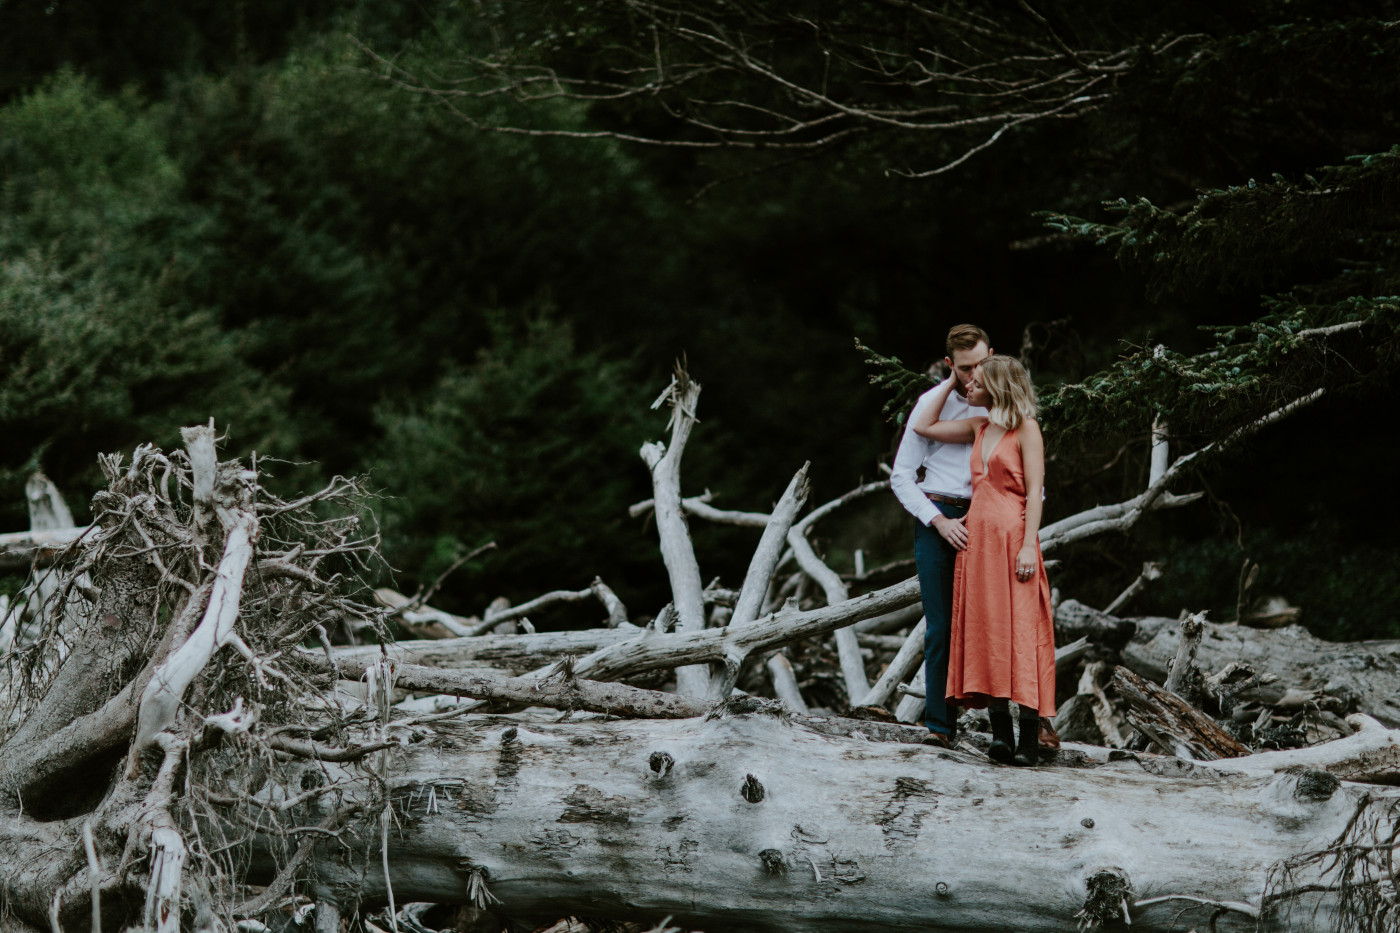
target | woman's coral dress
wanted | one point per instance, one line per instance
(1003, 638)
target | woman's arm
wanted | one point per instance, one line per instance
(1033, 466)
(928, 424)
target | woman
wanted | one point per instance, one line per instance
(1003, 639)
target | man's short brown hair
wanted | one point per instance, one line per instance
(965, 337)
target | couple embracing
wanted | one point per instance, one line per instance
(989, 637)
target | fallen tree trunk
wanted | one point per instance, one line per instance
(746, 821)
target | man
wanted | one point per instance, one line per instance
(939, 504)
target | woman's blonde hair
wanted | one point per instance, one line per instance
(1013, 396)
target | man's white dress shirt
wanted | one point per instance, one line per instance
(947, 467)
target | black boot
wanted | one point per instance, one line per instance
(1027, 744)
(1002, 737)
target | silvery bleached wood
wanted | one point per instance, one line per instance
(1366, 672)
(892, 621)
(700, 507)
(1184, 678)
(465, 626)
(1161, 449)
(756, 584)
(239, 520)
(414, 616)
(1370, 755)
(50, 526)
(834, 588)
(770, 548)
(651, 650)
(47, 510)
(1151, 570)
(1124, 515)
(515, 653)
(784, 681)
(717, 824)
(677, 551)
(560, 692)
(617, 612)
(911, 704)
(909, 656)
(20, 549)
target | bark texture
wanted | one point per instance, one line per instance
(747, 821)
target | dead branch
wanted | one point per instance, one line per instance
(677, 552)
(961, 81)
(1174, 725)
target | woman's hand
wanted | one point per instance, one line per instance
(1025, 563)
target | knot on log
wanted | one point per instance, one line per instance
(773, 862)
(752, 790)
(739, 705)
(1316, 785)
(661, 763)
(1108, 894)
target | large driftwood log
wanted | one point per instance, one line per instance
(1307, 668)
(746, 821)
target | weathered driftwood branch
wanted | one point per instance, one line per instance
(909, 656)
(1124, 515)
(21, 549)
(1073, 619)
(161, 699)
(753, 594)
(700, 507)
(730, 645)
(1177, 727)
(617, 612)
(1370, 755)
(677, 551)
(421, 618)
(1088, 716)
(1152, 570)
(770, 548)
(513, 653)
(559, 692)
(848, 651)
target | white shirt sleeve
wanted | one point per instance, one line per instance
(903, 476)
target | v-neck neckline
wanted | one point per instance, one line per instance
(988, 454)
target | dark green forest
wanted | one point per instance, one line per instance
(458, 247)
